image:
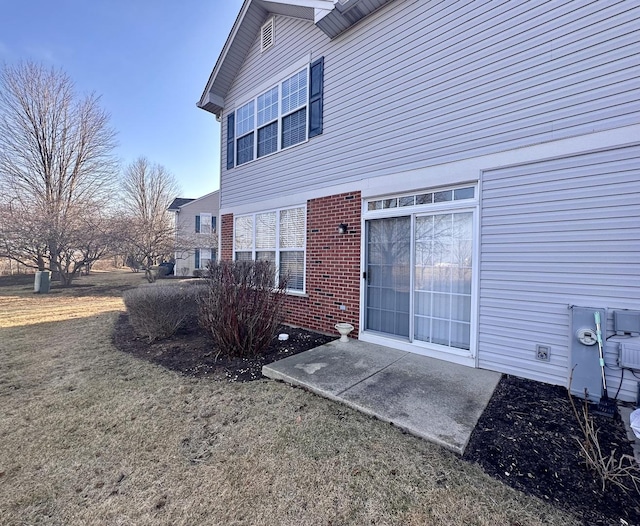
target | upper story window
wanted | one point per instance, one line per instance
(280, 117)
(206, 223)
(280, 109)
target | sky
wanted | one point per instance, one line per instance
(148, 60)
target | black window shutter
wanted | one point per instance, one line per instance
(231, 126)
(197, 224)
(197, 265)
(213, 223)
(316, 89)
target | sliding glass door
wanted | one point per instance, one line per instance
(419, 276)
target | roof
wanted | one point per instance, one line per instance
(178, 202)
(333, 17)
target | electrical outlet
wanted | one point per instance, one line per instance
(543, 352)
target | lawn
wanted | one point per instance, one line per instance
(91, 435)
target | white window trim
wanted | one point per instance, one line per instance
(277, 249)
(281, 116)
(205, 257)
(206, 223)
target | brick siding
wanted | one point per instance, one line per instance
(332, 264)
(226, 237)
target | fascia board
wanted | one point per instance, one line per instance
(225, 50)
(315, 4)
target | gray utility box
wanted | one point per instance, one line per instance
(584, 354)
(625, 350)
(42, 281)
(626, 322)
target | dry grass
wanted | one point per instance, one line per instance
(93, 436)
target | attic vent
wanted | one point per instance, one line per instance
(268, 31)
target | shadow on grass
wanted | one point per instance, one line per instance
(91, 285)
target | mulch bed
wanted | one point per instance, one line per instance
(191, 351)
(526, 437)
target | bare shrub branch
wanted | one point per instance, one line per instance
(619, 470)
(241, 308)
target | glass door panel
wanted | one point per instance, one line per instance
(388, 275)
(442, 279)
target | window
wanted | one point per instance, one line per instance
(283, 116)
(277, 236)
(456, 194)
(203, 256)
(205, 224)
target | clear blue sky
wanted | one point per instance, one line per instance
(148, 59)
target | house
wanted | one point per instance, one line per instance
(452, 178)
(196, 223)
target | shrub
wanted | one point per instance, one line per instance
(241, 308)
(158, 311)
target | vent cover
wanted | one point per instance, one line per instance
(267, 34)
(629, 355)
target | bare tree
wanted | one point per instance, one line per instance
(56, 165)
(148, 189)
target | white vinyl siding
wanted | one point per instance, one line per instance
(556, 233)
(417, 84)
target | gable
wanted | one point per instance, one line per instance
(333, 17)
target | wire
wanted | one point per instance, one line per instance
(621, 381)
(632, 372)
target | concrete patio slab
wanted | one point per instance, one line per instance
(435, 400)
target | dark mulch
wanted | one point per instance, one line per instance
(191, 351)
(526, 439)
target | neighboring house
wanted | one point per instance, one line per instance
(196, 232)
(448, 177)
